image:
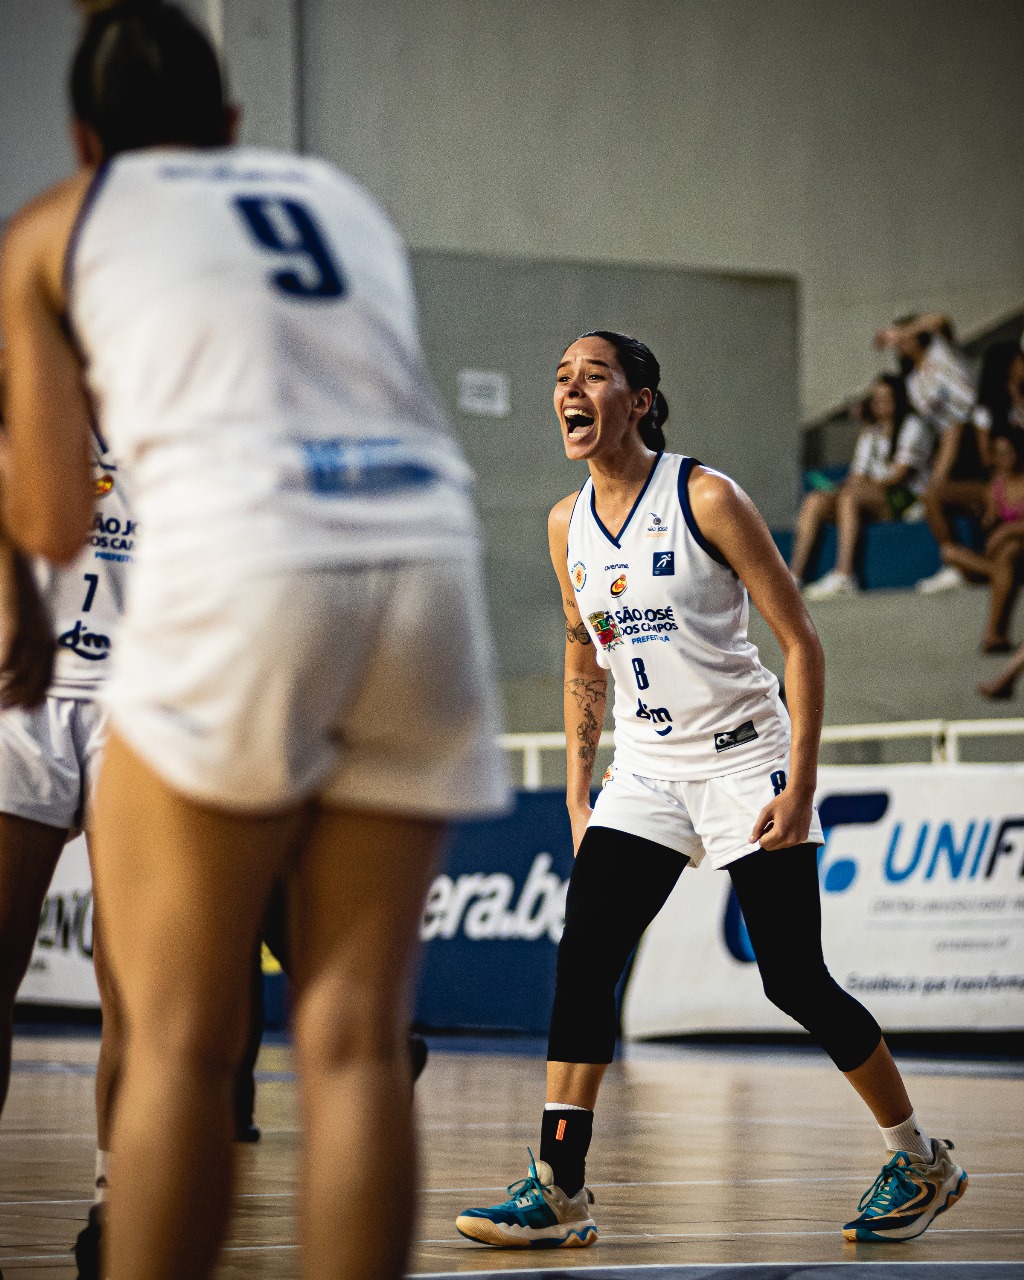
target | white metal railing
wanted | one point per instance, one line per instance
(945, 737)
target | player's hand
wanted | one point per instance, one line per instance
(26, 665)
(784, 822)
(578, 819)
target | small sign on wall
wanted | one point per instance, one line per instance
(484, 392)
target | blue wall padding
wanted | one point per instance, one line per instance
(497, 967)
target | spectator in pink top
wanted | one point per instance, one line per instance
(1003, 557)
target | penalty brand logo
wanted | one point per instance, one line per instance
(486, 907)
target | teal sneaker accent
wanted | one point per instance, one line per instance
(908, 1195)
(537, 1215)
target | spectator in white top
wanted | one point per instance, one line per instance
(940, 390)
(888, 475)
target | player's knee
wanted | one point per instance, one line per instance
(799, 994)
(202, 1048)
(587, 959)
(15, 955)
(342, 1021)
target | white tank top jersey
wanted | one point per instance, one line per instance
(668, 619)
(86, 598)
(249, 328)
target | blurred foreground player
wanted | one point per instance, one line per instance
(49, 758)
(654, 557)
(274, 932)
(302, 681)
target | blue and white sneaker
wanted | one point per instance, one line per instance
(537, 1215)
(908, 1195)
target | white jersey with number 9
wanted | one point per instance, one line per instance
(249, 326)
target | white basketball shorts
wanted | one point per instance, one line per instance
(713, 817)
(48, 760)
(363, 687)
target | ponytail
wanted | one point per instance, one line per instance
(650, 424)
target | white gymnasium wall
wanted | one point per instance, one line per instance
(873, 148)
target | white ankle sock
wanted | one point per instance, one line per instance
(563, 1106)
(909, 1137)
(100, 1191)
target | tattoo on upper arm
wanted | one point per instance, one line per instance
(589, 696)
(577, 634)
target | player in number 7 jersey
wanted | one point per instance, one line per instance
(49, 754)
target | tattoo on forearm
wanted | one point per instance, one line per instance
(577, 634)
(589, 696)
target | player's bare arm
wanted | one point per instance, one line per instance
(731, 522)
(47, 483)
(585, 683)
(27, 656)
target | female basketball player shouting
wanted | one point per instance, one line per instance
(301, 684)
(655, 556)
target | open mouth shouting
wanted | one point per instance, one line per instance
(578, 423)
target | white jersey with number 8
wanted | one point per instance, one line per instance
(669, 619)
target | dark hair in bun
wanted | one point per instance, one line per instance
(145, 75)
(641, 368)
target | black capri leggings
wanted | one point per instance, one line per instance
(619, 884)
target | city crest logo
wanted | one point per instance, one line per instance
(607, 630)
(579, 575)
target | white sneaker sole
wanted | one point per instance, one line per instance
(500, 1235)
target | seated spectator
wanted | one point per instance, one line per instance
(888, 474)
(1004, 550)
(1001, 686)
(940, 391)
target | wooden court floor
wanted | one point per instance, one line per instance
(703, 1158)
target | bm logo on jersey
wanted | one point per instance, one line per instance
(664, 564)
(619, 585)
(104, 484)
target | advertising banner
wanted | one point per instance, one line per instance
(493, 919)
(61, 968)
(922, 886)
(922, 912)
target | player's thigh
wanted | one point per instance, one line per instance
(356, 900)
(29, 852)
(182, 887)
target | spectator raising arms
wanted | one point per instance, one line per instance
(1004, 549)
(888, 474)
(941, 392)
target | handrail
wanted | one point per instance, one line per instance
(945, 737)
